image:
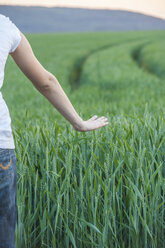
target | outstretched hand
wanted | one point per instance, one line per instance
(92, 124)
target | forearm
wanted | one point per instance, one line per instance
(48, 85)
(57, 97)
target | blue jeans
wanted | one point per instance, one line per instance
(8, 194)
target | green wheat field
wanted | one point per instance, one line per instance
(105, 188)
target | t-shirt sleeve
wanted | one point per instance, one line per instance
(15, 37)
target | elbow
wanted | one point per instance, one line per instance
(47, 85)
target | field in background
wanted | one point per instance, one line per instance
(104, 188)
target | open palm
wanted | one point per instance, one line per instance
(92, 124)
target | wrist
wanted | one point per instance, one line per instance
(78, 124)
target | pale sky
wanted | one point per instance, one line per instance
(150, 7)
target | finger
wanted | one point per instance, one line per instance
(104, 123)
(102, 119)
(93, 118)
(101, 125)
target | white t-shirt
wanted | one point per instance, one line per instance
(9, 40)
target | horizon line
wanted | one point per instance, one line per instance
(84, 7)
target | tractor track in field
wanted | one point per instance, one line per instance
(138, 58)
(137, 55)
(78, 66)
(77, 69)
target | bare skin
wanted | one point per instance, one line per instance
(47, 84)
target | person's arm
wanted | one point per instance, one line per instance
(47, 84)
